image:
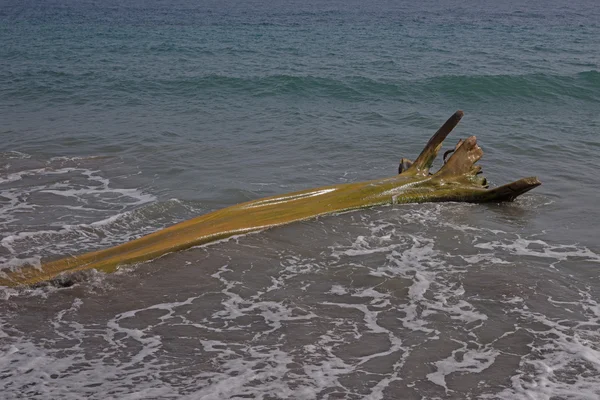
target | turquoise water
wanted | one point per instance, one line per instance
(120, 118)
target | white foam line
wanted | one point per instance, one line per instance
(521, 247)
(473, 361)
(370, 319)
(17, 155)
(557, 350)
(15, 176)
(273, 313)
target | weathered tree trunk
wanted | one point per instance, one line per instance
(457, 180)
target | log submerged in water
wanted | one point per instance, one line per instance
(458, 179)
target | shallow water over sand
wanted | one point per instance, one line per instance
(373, 303)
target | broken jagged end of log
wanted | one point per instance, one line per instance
(459, 179)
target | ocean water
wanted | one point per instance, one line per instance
(119, 118)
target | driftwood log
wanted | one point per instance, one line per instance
(458, 179)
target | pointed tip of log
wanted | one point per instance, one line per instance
(512, 190)
(505, 193)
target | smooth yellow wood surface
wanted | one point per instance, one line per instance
(457, 180)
